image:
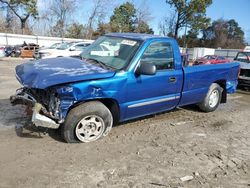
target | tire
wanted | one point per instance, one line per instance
(87, 122)
(212, 99)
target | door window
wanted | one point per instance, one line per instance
(160, 54)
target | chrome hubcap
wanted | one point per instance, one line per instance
(90, 128)
(214, 98)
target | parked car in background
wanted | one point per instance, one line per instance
(41, 53)
(45, 51)
(211, 59)
(13, 51)
(70, 49)
(29, 51)
(244, 59)
(53, 46)
(16, 51)
(2, 52)
(8, 50)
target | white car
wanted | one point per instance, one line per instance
(71, 49)
(47, 51)
(247, 49)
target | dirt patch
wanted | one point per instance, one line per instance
(157, 151)
(221, 124)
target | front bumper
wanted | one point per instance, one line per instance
(244, 81)
(41, 120)
(38, 111)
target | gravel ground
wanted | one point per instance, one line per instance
(210, 149)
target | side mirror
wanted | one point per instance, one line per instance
(73, 48)
(146, 69)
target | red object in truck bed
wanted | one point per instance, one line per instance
(211, 59)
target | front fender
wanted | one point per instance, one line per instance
(77, 93)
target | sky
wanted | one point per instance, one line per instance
(226, 9)
(232, 9)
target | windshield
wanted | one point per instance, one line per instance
(209, 57)
(64, 46)
(54, 46)
(112, 51)
(243, 57)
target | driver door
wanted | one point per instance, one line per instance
(147, 94)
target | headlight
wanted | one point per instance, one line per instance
(54, 103)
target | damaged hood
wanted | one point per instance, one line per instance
(49, 72)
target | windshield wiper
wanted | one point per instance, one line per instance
(103, 65)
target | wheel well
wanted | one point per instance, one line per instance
(222, 83)
(111, 104)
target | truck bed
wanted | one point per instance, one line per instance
(197, 80)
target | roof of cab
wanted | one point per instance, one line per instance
(135, 36)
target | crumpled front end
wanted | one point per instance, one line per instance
(50, 106)
(43, 104)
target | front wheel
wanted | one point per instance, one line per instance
(212, 99)
(87, 122)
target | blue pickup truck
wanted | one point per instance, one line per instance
(121, 76)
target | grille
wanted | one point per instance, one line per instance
(245, 72)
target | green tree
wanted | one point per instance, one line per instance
(190, 14)
(23, 9)
(191, 40)
(223, 34)
(124, 18)
(234, 31)
(127, 18)
(102, 29)
(75, 30)
(143, 27)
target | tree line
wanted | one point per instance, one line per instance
(199, 30)
(188, 22)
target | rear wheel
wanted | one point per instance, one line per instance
(212, 99)
(87, 122)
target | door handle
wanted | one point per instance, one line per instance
(172, 79)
